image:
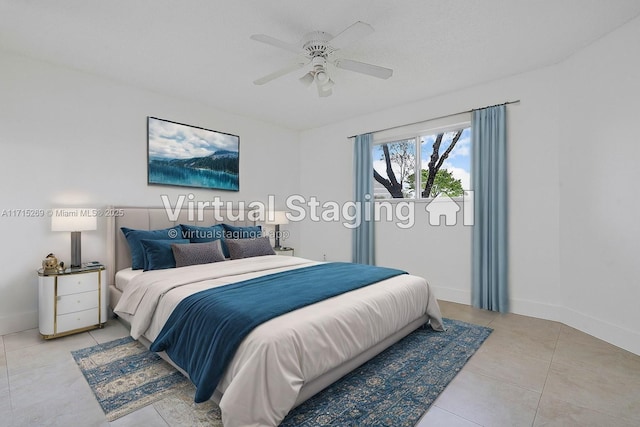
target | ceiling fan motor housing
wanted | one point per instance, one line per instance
(316, 44)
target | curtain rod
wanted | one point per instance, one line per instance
(441, 117)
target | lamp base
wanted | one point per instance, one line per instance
(277, 246)
(76, 248)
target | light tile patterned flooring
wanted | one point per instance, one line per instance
(529, 372)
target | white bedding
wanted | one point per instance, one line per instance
(124, 276)
(262, 382)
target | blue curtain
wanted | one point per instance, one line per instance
(363, 249)
(489, 181)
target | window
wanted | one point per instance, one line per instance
(442, 156)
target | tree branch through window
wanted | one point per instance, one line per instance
(400, 164)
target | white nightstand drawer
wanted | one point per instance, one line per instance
(77, 302)
(79, 319)
(74, 283)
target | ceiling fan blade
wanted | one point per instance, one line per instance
(277, 43)
(281, 72)
(361, 67)
(351, 34)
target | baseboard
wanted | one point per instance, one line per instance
(613, 334)
(18, 322)
(537, 309)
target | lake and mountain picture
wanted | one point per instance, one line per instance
(191, 156)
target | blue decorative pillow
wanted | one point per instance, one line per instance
(197, 234)
(249, 232)
(158, 254)
(135, 236)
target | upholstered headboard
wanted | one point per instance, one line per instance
(151, 218)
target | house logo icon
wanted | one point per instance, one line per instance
(444, 206)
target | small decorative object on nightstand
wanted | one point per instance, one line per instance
(72, 300)
(283, 250)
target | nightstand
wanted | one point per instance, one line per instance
(72, 301)
(283, 250)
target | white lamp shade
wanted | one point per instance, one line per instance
(279, 217)
(73, 219)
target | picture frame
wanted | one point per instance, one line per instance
(190, 156)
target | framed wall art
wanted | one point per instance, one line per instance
(191, 156)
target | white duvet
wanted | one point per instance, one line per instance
(261, 384)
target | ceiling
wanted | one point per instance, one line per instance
(200, 49)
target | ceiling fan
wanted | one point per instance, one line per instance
(317, 48)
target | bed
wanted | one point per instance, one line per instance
(286, 360)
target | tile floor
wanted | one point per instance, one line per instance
(529, 372)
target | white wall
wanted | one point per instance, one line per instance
(573, 232)
(600, 207)
(70, 138)
(442, 254)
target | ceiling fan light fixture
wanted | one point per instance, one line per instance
(323, 92)
(322, 77)
(307, 79)
(324, 89)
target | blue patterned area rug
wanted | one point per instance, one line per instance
(396, 387)
(125, 376)
(393, 389)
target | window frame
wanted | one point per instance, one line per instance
(382, 138)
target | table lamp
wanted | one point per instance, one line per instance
(279, 218)
(74, 220)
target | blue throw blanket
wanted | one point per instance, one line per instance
(205, 329)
